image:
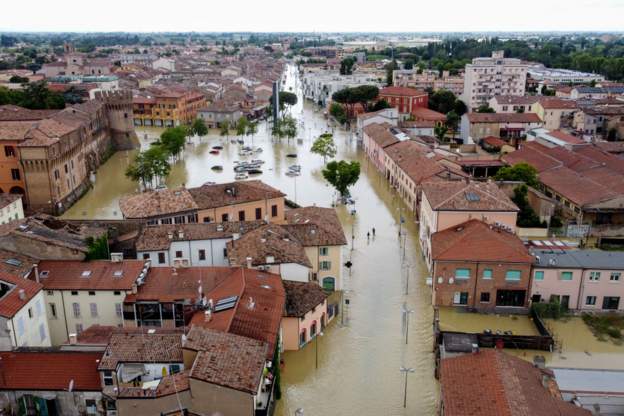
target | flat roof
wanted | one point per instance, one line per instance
(589, 380)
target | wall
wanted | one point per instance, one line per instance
(290, 333)
(295, 272)
(553, 285)
(7, 163)
(68, 404)
(601, 288)
(65, 322)
(12, 212)
(213, 399)
(215, 214)
(334, 256)
(151, 407)
(448, 219)
(31, 337)
(190, 250)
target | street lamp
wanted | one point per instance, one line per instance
(406, 313)
(406, 371)
(320, 334)
(407, 276)
(299, 412)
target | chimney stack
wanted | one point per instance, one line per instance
(36, 270)
(22, 294)
(170, 235)
(249, 259)
(73, 338)
(181, 235)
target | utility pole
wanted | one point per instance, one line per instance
(407, 276)
(406, 313)
(320, 334)
(405, 371)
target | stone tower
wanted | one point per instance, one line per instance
(118, 106)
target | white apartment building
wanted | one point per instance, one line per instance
(428, 79)
(320, 86)
(79, 294)
(485, 78)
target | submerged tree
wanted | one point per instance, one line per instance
(342, 175)
(199, 127)
(149, 165)
(324, 146)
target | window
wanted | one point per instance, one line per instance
(166, 221)
(590, 300)
(225, 252)
(485, 297)
(566, 276)
(224, 217)
(460, 298)
(91, 407)
(202, 254)
(76, 309)
(117, 293)
(108, 378)
(78, 328)
(38, 308)
(42, 333)
(610, 302)
(74, 293)
(258, 213)
(462, 273)
(487, 274)
(9, 151)
(118, 310)
(325, 265)
(161, 258)
(539, 275)
(324, 251)
(241, 215)
(20, 326)
(91, 293)
(274, 210)
(513, 275)
(30, 313)
(302, 337)
(178, 254)
(615, 277)
(53, 310)
(94, 310)
(594, 276)
(146, 256)
(15, 174)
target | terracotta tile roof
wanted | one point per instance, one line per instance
(11, 112)
(494, 141)
(14, 130)
(7, 199)
(220, 195)
(557, 103)
(578, 188)
(51, 371)
(302, 297)
(227, 360)
(402, 91)
(493, 383)
(157, 237)
(475, 240)
(168, 385)
(416, 162)
(270, 240)
(11, 303)
(422, 113)
(89, 275)
(16, 264)
(534, 154)
(568, 138)
(96, 335)
(380, 134)
(462, 196)
(142, 347)
(156, 203)
(315, 226)
(516, 99)
(503, 118)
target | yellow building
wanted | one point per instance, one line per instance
(167, 107)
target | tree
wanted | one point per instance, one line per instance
(37, 96)
(324, 146)
(390, 68)
(224, 129)
(522, 172)
(338, 112)
(346, 65)
(199, 127)
(484, 108)
(149, 165)
(285, 127)
(16, 79)
(252, 129)
(97, 248)
(440, 132)
(286, 98)
(342, 175)
(241, 126)
(172, 140)
(452, 121)
(527, 216)
(380, 105)
(362, 95)
(409, 64)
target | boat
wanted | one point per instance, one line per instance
(291, 155)
(254, 171)
(241, 176)
(292, 173)
(217, 147)
(257, 161)
(209, 183)
(296, 168)
(217, 167)
(214, 152)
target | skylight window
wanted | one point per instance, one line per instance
(225, 303)
(13, 262)
(118, 273)
(472, 197)
(86, 273)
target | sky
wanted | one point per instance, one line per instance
(312, 15)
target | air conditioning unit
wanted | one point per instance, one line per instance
(180, 262)
(116, 257)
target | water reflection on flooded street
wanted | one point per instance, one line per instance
(358, 371)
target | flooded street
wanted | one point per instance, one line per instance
(358, 361)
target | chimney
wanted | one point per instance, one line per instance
(467, 180)
(207, 315)
(181, 235)
(73, 339)
(170, 235)
(249, 259)
(22, 294)
(475, 348)
(36, 270)
(134, 288)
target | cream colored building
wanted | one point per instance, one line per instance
(80, 294)
(555, 111)
(485, 78)
(11, 208)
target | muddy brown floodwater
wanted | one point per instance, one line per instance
(358, 361)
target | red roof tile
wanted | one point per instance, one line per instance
(89, 275)
(403, 91)
(49, 371)
(504, 118)
(11, 302)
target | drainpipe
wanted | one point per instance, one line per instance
(581, 287)
(65, 314)
(476, 282)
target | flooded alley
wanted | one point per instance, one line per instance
(359, 358)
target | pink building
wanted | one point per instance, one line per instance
(305, 314)
(375, 138)
(579, 279)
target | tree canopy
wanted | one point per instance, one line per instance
(285, 127)
(521, 172)
(346, 65)
(362, 95)
(199, 127)
(324, 146)
(34, 95)
(444, 101)
(527, 216)
(484, 108)
(149, 165)
(342, 175)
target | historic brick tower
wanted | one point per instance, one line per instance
(120, 120)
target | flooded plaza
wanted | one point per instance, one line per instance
(359, 356)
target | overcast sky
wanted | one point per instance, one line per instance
(312, 15)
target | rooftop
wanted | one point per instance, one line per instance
(10, 288)
(89, 275)
(516, 99)
(493, 383)
(463, 196)
(53, 371)
(475, 240)
(142, 347)
(220, 195)
(157, 203)
(402, 91)
(586, 259)
(302, 297)
(315, 226)
(503, 118)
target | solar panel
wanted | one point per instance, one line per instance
(224, 306)
(471, 196)
(13, 262)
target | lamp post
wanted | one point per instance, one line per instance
(320, 334)
(299, 412)
(407, 276)
(406, 313)
(405, 371)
